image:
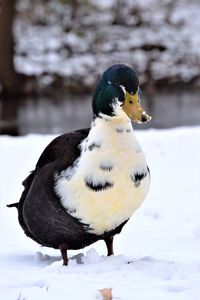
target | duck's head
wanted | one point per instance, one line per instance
(119, 89)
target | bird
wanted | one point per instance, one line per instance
(88, 183)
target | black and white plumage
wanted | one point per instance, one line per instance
(87, 183)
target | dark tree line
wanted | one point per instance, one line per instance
(12, 83)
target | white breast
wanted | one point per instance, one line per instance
(100, 189)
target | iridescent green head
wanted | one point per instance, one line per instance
(119, 84)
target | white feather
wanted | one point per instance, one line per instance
(105, 210)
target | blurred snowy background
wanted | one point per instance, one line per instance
(79, 39)
(62, 47)
(51, 55)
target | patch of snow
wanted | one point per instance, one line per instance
(156, 254)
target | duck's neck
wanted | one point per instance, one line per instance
(111, 132)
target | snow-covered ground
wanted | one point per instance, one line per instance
(157, 255)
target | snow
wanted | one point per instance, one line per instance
(52, 39)
(156, 254)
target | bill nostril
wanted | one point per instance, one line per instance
(144, 118)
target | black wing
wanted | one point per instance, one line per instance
(63, 150)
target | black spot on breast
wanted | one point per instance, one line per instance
(148, 170)
(104, 118)
(72, 211)
(137, 177)
(93, 146)
(105, 167)
(98, 187)
(119, 130)
(128, 130)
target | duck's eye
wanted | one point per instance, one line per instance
(131, 102)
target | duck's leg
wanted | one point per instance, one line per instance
(63, 249)
(109, 243)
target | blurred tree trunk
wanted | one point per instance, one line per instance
(12, 82)
(118, 18)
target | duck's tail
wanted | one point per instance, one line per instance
(13, 205)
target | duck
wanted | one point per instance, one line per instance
(88, 183)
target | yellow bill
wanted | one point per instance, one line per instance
(134, 110)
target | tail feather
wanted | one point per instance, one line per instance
(13, 205)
